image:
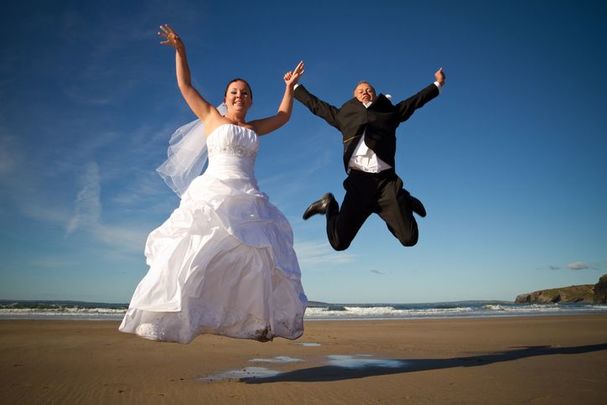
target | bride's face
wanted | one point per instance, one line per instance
(238, 96)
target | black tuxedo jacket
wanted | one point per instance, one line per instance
(380, 120)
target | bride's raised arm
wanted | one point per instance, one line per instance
(201, 107)
(266, 125)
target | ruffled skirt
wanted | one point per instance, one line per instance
(223, 263)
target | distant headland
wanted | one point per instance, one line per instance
(581, 294)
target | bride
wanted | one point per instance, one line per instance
(223, 263)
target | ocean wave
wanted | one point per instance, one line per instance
(318, 311)
(381, 312)
(60, 310)
(523, 308)
(66, 310)
(596, 307)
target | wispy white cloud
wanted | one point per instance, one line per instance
(21, 185)
(143, 186)
(88, 204)
(51, 263)
(87, 216)
(317, 253)
(581, 265)
(578, 266)
(129, 239)
(67, 156)
(131, 170)
(10, 155)
(125, 162)
(40, 210)
(88, 98)
(66, 189)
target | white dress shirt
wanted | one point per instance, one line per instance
(365, 159)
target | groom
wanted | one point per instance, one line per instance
(368, 125)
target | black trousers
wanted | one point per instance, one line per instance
(367, 193)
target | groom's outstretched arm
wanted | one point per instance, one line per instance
(407, 107)
(318, 107)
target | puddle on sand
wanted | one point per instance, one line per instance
(358, 362)
(247, 372)
(337, 360)
(251, 372)
(310, 344)
(278, 359)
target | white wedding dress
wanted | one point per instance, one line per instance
(223, 263)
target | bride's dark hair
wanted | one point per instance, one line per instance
(238, 79)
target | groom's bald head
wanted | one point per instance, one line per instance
(364, 92)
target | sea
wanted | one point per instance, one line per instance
(95, 311)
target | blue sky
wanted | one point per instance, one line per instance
(509, 160)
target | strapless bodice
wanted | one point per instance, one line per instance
(232, 150)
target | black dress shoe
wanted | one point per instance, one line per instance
(417, 206)
(319, 207)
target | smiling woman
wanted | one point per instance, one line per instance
(247, 93)
(223, 263)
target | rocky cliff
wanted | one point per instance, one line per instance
(600, 290)
(585, 294)
(573, 294)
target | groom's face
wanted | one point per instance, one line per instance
(365, 93)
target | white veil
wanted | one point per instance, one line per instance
(187, 155)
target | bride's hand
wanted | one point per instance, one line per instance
(170, 37)
(292, 78)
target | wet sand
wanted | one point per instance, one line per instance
(537, 360)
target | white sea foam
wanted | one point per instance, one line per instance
(525, 308)
(596, 307)
(92, 311)
(277, 359)
(66, 310)
(63, 313)
(382, 312)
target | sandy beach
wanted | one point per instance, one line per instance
(537, 360)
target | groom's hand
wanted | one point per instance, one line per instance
(440, 76)
(292, 78)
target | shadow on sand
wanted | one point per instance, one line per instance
(337, 373)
